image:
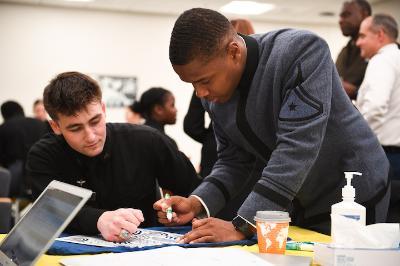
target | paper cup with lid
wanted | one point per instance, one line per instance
(272, 231)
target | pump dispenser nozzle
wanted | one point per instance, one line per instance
(347, 207)
(348, 191)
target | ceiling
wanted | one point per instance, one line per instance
(289, 11)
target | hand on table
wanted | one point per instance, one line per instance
(112, 223)
(211, 230)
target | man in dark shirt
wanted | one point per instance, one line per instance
(17, 135)
(119, 162)
(350, 65)
(194, 126)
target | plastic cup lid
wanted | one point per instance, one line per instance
(277, 216)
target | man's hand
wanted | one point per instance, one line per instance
(211, 230)
(183, 210)
(350, 89)
(111, 223)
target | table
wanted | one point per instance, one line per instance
(295, 233)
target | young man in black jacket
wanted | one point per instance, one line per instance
(119, 162)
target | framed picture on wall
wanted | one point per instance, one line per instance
(118, 91)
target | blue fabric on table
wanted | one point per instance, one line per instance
(65, 248)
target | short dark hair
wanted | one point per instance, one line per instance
(10, 109)
(69, 93)
(197, 32)
(364, 5)
(37, 101)
(387, 23)
(150, 98)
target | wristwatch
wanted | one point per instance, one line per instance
(244, 226)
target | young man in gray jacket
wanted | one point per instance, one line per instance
(276, 97)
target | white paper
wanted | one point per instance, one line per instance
(350, 234)
(141, 238)
(172, 256)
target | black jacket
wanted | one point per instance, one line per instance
(17, 135)
(154, 124)
(123, 175)
(193, 125)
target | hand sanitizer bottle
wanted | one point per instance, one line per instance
(348, 207)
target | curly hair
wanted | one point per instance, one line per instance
(69, 93)
(364, 5)
(197, 32)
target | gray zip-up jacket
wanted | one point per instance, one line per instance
(291, 111)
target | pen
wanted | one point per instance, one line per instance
(301, 246)
(169, 210)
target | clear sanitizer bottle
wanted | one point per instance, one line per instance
(348, 207)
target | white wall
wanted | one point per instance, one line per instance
(330, 33)
(39, 42)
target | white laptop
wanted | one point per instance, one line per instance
(49, 215)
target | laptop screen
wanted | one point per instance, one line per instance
(40, 224)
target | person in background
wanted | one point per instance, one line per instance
(378, 99)
(350, 65)
(242, 26)
(194, 125)
(120, 162)
(157, 107)
(277, 97)
(132, 117)
(38, 110)
(17, 135)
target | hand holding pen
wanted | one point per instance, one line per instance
(182, 211)
(169, 209)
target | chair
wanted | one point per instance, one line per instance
(20, 191)
(17, 184)
(5, 180)
(5, 201)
